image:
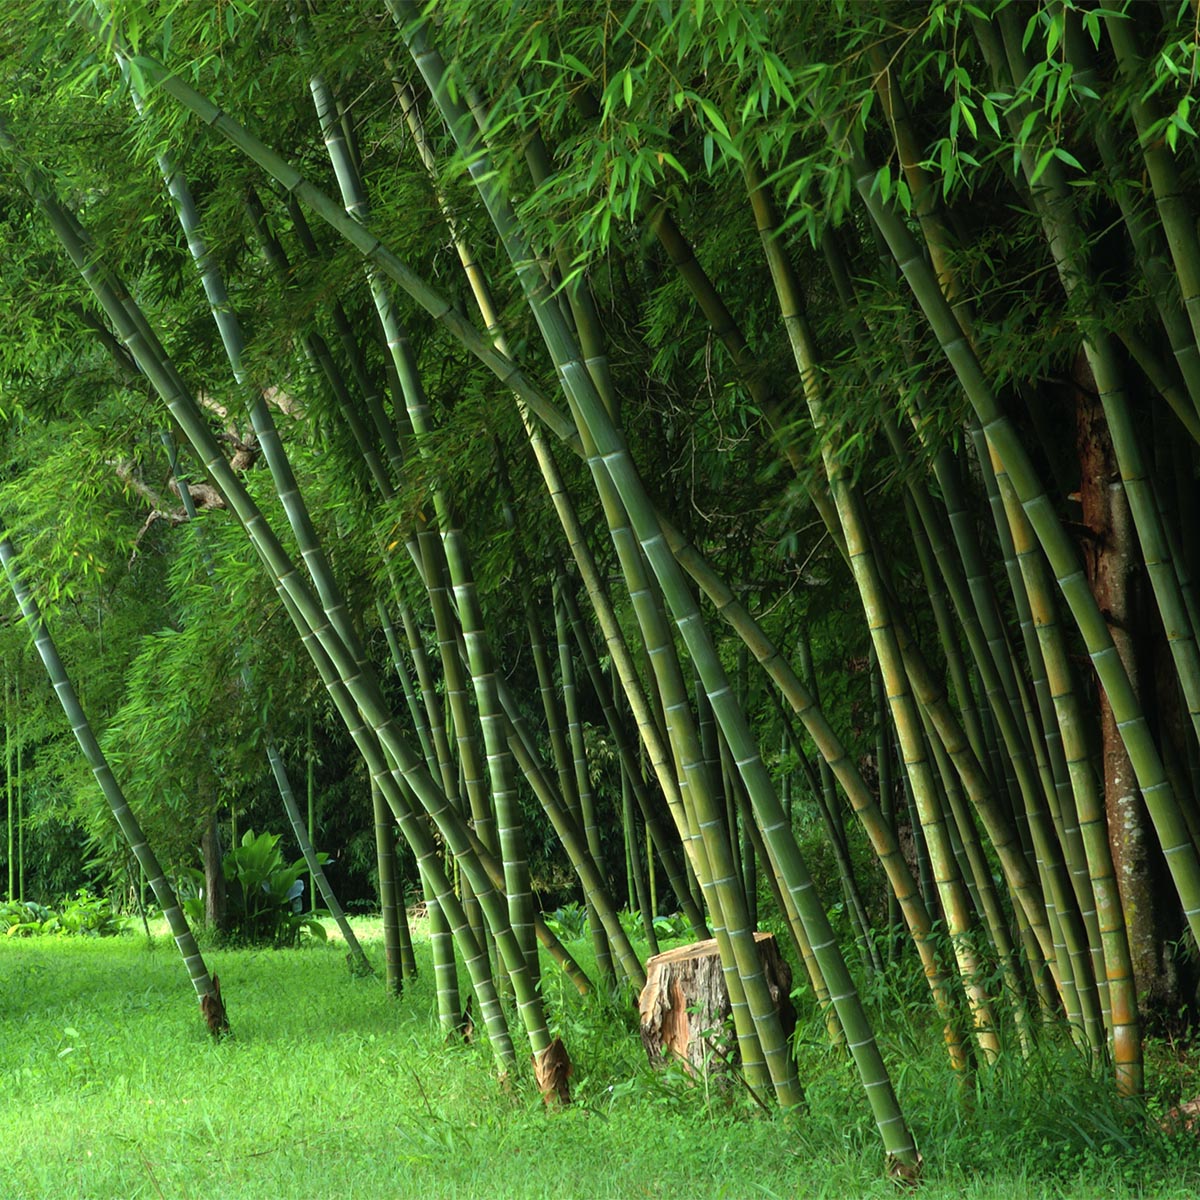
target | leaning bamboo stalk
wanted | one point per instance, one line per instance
(994, 919)
(385, 860)
(1093, 825)
(427, 296)
(556, 487)
(440, 934)
(1054, 205)
(434, 879)
(721, 890)
(205, 985)
(879, 831)
(484, 301)
(509, 825)
(593, 420)
(1124, 1011)
(362, 704)
(979, 618)
(582, 780)
(656, 828)
(1135, 732)
(824, 793)
(231, 339)
(447, 771)
(613, 460)
(417, 715)
(905, 714)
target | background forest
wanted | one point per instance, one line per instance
(735, 459)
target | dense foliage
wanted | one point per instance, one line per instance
(654, 454)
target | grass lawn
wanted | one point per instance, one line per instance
(112, 1089)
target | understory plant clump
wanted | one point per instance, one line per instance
(82, 914)
(263, 893)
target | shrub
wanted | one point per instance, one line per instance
(262, 894)
(24, 918)
(80, 915)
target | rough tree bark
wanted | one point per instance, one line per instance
(214, 877)
(1113, 563)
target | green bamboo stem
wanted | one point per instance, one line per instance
(825, 795)
(441, 941)
(377, 254)
(416, 833)
(881, 834)
(484, 298)
(578, 385)
(21, 792)
(581, 780)
(556, 487)
(319, 881)
(905, 715)
(474, 785)
(640, 588)
(446, 770)
(928, 205)
(612, 459)
(1069, 952)
(571, 834)
(320, 638)
(127, 822)
(231, 339)
(1152, 779)
(1124, 1024)
(385, 859)
(886, 788)
(324, 645)
(995, 921)
(509, 826)
(631, 769)
(978, 617)
(1054, 205)
(1168, 189)
(330, 213)
(416, 714)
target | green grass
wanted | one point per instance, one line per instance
(111, 1088)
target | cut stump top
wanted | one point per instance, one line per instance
(697, 950)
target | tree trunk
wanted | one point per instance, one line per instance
(1113, 562)
(215, 916)
(685, 1010)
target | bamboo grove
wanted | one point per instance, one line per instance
(663, 430)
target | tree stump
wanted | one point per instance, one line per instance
(685, 1005)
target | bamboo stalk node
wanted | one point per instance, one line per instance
(685, 1007)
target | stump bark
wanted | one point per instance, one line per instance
(685, 1005)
